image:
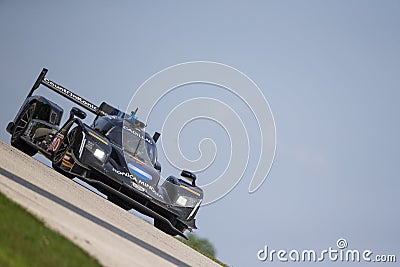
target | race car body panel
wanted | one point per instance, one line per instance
(44, 110)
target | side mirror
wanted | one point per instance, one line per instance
(156, 136)
(190, 176)
(76, 112)
(157, 166)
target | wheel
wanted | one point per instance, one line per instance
(62, 150)
(20, 126)
(119, 202)
(161, 225)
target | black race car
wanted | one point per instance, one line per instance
(114, 154)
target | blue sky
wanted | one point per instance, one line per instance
(329, 70)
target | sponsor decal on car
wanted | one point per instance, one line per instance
(70, 94)
(137, 134)
(138, 182)
(138, 187)
(55, 144)
(139, 172)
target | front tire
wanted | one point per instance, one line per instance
(65, 146)
(19, 128)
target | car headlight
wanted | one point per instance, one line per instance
(181, 201)
(96, 150)
(186, 201)
(99, 154)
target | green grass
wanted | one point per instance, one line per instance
(26, 241)
(195, 246)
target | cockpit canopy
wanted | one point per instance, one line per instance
(133, 140)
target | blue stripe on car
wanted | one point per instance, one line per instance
(139, 172)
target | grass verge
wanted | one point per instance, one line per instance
(190, 244)
(26, 241)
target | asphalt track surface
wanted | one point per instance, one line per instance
(110, 234)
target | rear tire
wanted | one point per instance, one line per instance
(19, 128)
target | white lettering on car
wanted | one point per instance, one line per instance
(138, 134)
(139, 183)
(70, 94)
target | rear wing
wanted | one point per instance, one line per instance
(103, 110)
(42, 80)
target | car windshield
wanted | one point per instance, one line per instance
(134, 144)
